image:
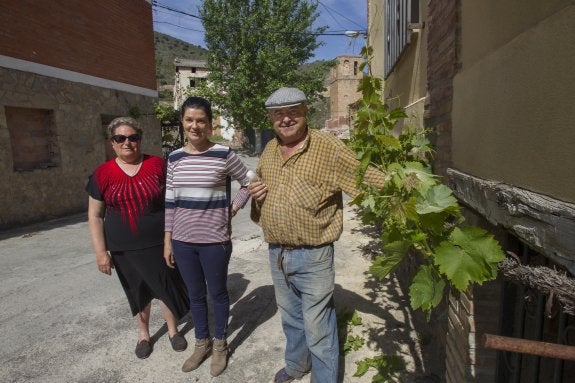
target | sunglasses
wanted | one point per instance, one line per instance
(120, 138)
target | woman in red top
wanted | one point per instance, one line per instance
(126, 223)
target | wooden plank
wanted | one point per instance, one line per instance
(545, 224)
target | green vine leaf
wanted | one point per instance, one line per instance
(352, 343)
(422, 173)
(426, 290)
(394, 253)
(438, 198)
(470, 255)
(388, 141)
(386, 366)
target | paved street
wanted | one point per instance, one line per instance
(63, 321)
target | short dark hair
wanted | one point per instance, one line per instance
(195, 102)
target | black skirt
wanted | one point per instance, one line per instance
(144, 275)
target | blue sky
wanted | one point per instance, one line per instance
(338, 15)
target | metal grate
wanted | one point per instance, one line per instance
(399, 16)
(524, 316)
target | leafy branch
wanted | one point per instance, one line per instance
(386, 367)
(416, 212)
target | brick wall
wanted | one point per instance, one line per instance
(470, 315)
(110, 39)
(477, 311)
(442, 46)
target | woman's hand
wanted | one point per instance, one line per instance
(234, 208)
(258, 191)
(104, 262)
(169, 254)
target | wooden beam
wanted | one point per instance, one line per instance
(542, 222)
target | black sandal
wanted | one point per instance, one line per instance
(179, 343)
(143, 349)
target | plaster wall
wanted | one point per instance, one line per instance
(376, 35)
(512, 105)
(406, 85)
(79, 111)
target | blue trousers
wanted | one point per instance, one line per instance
(204, 267)
(304, 282)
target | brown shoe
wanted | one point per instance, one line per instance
(219, 357)
(201, 352)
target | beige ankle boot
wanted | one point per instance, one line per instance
(201, 352)
(219, 357)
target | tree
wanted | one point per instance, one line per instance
(255, 47)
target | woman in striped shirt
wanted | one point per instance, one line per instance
(199, 209)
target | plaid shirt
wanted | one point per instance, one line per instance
(304, 204)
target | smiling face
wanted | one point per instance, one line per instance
(197, 126)
(127, 149)
(290, 124)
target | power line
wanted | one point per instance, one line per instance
(342, 15)
(331, 14)
(158, 5)
(179, 26)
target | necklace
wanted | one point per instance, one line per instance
(128, 167)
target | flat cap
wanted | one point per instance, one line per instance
(285, 97)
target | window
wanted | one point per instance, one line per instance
(32, 137)
(399, 14)
(355, 66)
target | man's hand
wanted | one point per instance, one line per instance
(258, 191)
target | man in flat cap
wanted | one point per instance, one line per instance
(299, 205)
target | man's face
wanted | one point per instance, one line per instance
(290, 124)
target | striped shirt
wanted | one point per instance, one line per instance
(304, 202)
(198, 194)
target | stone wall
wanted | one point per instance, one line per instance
(442, 65)
(344, 79)
(339, 127)
(79, 115)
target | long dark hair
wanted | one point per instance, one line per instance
(194, 102)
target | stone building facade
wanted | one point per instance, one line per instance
(344, 78)
(61, 83)
(189, 74)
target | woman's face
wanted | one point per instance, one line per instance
(126, 142)
(197, 126)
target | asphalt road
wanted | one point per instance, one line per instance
(63, 321)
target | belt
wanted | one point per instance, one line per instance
(292, 247)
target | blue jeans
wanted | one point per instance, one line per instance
(202, 264)
(304, 282)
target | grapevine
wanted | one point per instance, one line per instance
(415, 211)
